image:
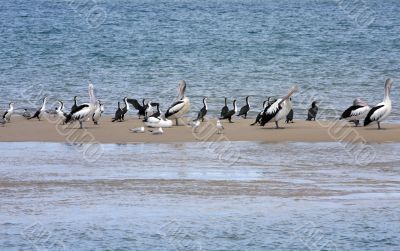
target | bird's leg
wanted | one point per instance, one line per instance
(80, 125)
(379, 125)
(356, 122)
(176, 121)
(276, 124)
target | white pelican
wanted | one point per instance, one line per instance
(40, 113)
(9, 112)
(84, 111)
(356, 112)
(158, 122)
(180, 107)
(382, 110)
(279, 109)
(60, 112)
(158, 131)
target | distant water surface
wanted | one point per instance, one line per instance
(222, 48)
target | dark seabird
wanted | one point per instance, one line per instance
(245, 109)
(118, 114)
(312, 112)
(229, 115)
(224, 109)
(203, 111)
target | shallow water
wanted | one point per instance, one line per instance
(293, 196)
(222, 48)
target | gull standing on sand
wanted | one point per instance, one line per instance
(358, 111)
(9, 112)
(195, 125)
(180, 107)
(85, 111)
(137, 130)
(279, 109)
(382, 110)
(219, 127)
(39, 113)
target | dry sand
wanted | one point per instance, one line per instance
(22, 130)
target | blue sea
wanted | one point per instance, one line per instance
(284, 196)
(334, 50)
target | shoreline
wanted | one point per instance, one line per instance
(49, 130)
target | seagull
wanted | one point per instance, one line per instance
(219, 127)
(195, 125)
(137, 130)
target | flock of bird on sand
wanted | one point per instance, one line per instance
(273, 110)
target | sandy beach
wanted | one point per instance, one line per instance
(22, 130)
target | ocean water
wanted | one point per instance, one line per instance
(180, 197)
(334, 50)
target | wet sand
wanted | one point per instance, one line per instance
(49, 130)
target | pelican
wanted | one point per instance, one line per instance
(224, 109)
(118, 114)
(157, 122)
(97, 113)
(312, 112)
(279, 109)
(245, 109)
(60, 112)
(382, 110)
(40, 112)
(9, 112)
(203, 111)
(159, 131)
(359, 110)
(219, 127)
(229, 115)
(180, 107)
(85, 111)
(137, 130)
